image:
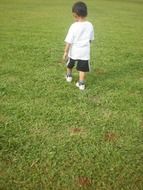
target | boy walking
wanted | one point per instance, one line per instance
(77, 49)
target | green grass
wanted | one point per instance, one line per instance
(54, 136)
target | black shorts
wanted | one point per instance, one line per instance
(81, 65)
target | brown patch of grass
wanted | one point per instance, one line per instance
(110, 137)
(77, 131)
(100, 71)
(84, 181)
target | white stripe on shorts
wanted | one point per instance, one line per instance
(68, 61)
(89, 65)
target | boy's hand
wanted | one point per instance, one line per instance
(67, 47)
(65, 56)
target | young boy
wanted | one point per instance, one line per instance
(77, 49)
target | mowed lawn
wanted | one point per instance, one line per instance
(53, 136)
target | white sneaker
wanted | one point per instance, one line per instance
(68, 79)
(80, 86)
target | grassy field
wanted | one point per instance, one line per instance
(53, 136)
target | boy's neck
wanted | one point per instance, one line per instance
(81, 19)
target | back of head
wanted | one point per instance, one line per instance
(80, 9)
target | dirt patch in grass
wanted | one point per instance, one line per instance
(84, 181)
(77, 131)
(111, 137)
(100, 71)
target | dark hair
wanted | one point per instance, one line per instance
(80, 9)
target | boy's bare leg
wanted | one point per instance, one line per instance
(69, 75)
(81, 83)
(81, 76)
(69, 72)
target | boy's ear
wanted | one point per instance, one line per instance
(75, 15)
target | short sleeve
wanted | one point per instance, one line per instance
(92, 34)
(70, 35)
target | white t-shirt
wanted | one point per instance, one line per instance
(79, 36)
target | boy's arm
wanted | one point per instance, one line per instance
(66, 50)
